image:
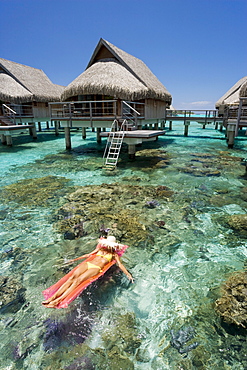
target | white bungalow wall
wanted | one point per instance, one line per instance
(154, 109)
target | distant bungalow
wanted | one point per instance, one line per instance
(28, 88)
(231, 99)
(232, 106)
(113, 74)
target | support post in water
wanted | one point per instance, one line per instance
(186, 127)
(131, 151)
(3, 139)
(33, 131)
(98, 135)
(56, 128)
(9, 140)
(84, 134)
(231, 127)
(67, 137)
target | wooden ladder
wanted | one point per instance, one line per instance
(114, 145)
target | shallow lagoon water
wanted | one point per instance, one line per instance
(178, 271)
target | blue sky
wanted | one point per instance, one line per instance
(197, 48)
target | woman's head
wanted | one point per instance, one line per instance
(112, 246)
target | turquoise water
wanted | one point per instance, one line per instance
(178, 267)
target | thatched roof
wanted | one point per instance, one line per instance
(112, 71)
(243, 90)
(232, 96)
(20, 84)
(12, 91)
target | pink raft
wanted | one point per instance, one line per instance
(47, 293)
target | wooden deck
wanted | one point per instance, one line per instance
(137, 134)
(7, 131)
(15, 127)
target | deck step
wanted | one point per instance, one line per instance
(5, 121)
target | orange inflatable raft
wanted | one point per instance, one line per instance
(47, 293)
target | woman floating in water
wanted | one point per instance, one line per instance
(96, 264)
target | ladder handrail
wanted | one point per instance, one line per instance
(8, 112)
(131, 107)
(108, 139)
(11, 110)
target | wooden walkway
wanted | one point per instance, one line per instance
(200, 116)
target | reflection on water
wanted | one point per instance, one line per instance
(174, 205)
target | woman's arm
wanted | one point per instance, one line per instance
(121, 266)
(84, 256)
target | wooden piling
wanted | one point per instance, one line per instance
(84, 133)
(132, 151)
(9, 140)
(231, 127)
(67, 138)
(34, 132)
(186, 127)
(3, 139)
(98, 135)
(56, 123)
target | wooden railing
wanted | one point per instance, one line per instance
(198, 113)
(87, 110)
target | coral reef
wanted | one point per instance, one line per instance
(180, 339)
(120, 343)
(198, 171)
(11, 294)
(73, 329)
(238, 222)
(209, 164)
(120, 207)
(152, 203)
(123, 334)
(149, 159)
(232, 305)
(34, 192)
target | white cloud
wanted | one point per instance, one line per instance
(196, 103)
(202, 102)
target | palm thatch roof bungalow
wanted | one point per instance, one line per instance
(114, 75)
(231, 99)
(28, 89)
(115, 86)
(233, 107)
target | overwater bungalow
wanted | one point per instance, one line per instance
(231, 99)
(112, 77)
(26, 91)
(233, 107)
(114, 86)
